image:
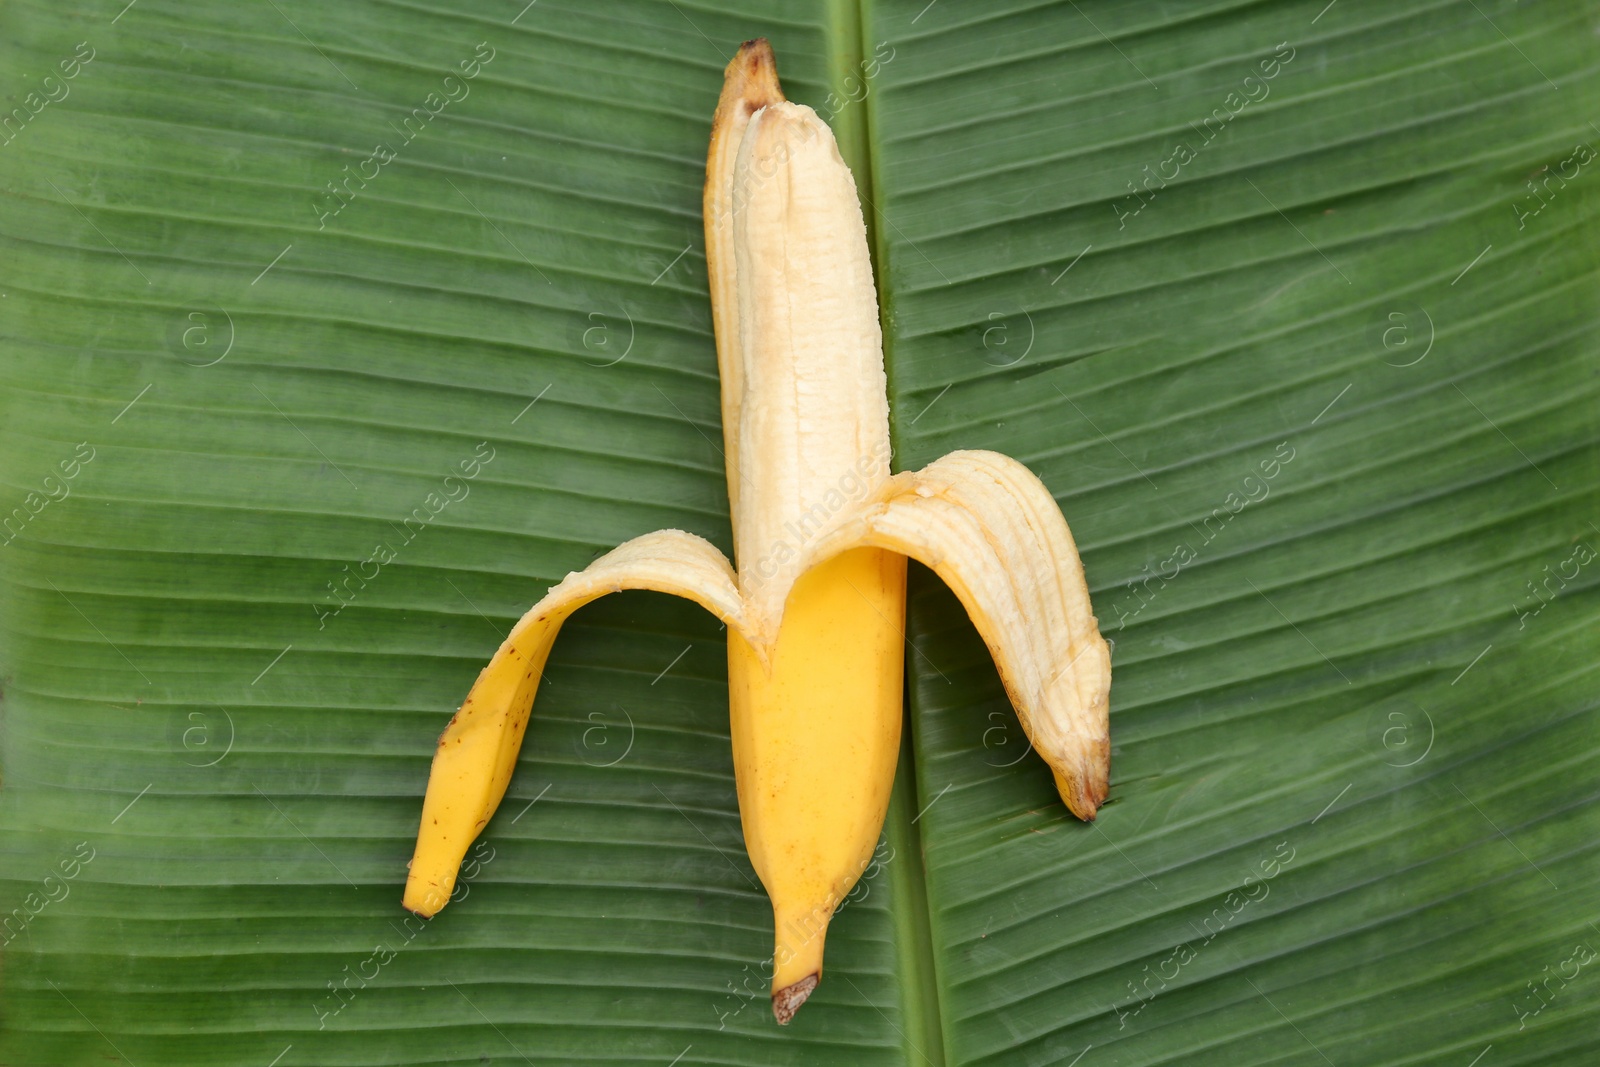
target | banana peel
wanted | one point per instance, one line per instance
(822, 530)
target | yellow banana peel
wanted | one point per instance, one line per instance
(822, 529)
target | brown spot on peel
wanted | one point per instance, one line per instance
(787, 1001)
(759, 70)
(749, 84)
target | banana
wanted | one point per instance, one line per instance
(822, 530)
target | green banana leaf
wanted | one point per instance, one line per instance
(332, 334)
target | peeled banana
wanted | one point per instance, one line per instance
(822, 529)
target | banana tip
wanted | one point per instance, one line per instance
(787, 1001)
(1084, 795)
(755, 52)
(751, 77)
(424, 903)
